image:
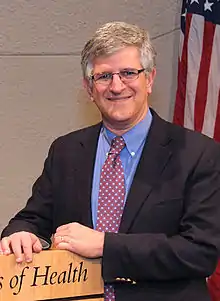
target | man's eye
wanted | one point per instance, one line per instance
(128, 73)
(104, 76)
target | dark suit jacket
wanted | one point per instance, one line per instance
(170, 230)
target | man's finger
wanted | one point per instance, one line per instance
(5, 245)
(65, 246)
(63, 227)
(1, 250)
(16, 247)
(37, 246)
(26, 244)
(61, 239)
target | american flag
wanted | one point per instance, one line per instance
(198, 93)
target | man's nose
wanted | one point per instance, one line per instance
(116, 85)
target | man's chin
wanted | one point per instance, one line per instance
(122, 120)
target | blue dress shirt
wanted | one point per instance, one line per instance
(130, 156)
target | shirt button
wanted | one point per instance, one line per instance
(132, 153)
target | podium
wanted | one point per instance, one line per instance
(52, 275)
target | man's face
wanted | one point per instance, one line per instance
(121, 104)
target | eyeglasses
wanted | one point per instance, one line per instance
(126, 76)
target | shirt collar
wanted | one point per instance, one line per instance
(135, 137)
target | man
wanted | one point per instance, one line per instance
(135, 190)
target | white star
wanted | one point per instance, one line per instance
(207, 5)
(192, 1)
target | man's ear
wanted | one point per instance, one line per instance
(87, 85)
(150, 80)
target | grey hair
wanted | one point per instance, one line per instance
(114, 36)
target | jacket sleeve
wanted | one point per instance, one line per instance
(191, 252)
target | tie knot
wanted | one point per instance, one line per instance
(117, 145)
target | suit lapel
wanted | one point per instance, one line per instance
(84, 171)
(154, 159)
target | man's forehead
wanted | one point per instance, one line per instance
(123, 58)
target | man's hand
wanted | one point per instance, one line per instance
(79, 239)
(20, 242)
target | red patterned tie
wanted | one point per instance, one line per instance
(111, 197)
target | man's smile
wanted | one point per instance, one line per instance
(119, 98)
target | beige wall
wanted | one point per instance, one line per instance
(41, 95)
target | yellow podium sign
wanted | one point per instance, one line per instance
(52, 275)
